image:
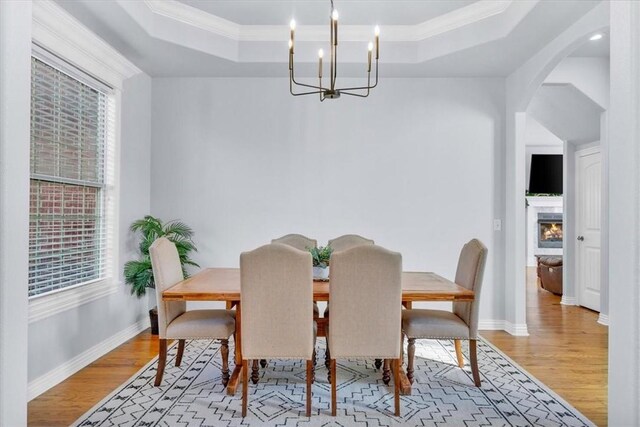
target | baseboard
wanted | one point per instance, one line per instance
(568, 300)
(519, 329)
(603, 319)
(516, 329)
(64, 371)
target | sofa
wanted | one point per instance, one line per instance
(550, 273)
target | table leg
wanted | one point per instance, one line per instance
(236, 375)
(405, 384)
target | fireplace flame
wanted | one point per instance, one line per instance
(552, 233)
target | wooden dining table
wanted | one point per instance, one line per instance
(223, 284)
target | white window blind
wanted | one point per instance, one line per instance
(72, 127)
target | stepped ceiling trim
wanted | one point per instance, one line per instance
(453, 20)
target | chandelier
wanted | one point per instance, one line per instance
(332, 92)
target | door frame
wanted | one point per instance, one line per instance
(576, 184)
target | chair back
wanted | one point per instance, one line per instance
(167, 271)
(469, 274)
(365, 300)
(348, 241)
(297, 241)
(276, 295)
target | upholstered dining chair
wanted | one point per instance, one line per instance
(348, 241)
(297, 241)
(175, 322)
(462, 323)
(276, 309)
(366, 298)
(342, 243)
(302, 243)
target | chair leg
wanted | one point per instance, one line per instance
(180, 352)
(309, 381)
(313, 367)
(396, 383)
(378, 363)
(334, 391)
(245, 386)
(162, 360)
(255, 372)
(458, 344)
(411, 353)
(327, 356)
(263, 363)
(386, 372)
(473, 353)
(224, 351)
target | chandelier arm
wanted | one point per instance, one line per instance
(364, 87)
(293, 79)
(302, 93)
(360, 95)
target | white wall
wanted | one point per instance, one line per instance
(413, 167)
(624, 216)
(589, 74)
(57, 343)
(15, 86)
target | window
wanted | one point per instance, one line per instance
(72, 128)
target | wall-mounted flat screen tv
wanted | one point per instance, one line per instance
(546, 174)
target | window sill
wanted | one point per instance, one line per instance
(66, 299)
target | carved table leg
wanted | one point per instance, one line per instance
(411, 352)
(386, 372)
(255, 372)
(263, 363)
(224, 350)
(378, 363)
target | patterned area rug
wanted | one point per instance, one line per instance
(192, 395)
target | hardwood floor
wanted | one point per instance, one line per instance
(566, 349)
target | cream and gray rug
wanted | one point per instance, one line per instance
(192, 395)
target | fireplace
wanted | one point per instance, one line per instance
(549, 230)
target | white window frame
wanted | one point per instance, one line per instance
(59, 33)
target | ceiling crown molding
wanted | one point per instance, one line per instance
(195, 17)
(59, 32)
(453, 20)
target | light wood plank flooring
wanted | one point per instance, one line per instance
(567, 350)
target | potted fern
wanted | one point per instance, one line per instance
(138, 273)
(320, 258)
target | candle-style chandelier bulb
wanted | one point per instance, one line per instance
(334, 15)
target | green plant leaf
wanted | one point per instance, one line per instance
(139, 273)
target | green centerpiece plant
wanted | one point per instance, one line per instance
(321, 256)
(139, 273)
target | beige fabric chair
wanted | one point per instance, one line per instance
(365, 298)
(276, 292)
(462, 323)
(348, 241)
(342, 243)
(302, 243)
(297, 241)
(175, 322)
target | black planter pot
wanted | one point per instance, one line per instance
(153, 317)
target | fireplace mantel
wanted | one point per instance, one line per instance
(545, 201)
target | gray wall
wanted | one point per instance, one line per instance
(57, 339)
(416, 166)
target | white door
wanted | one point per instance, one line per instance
(588, 191)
